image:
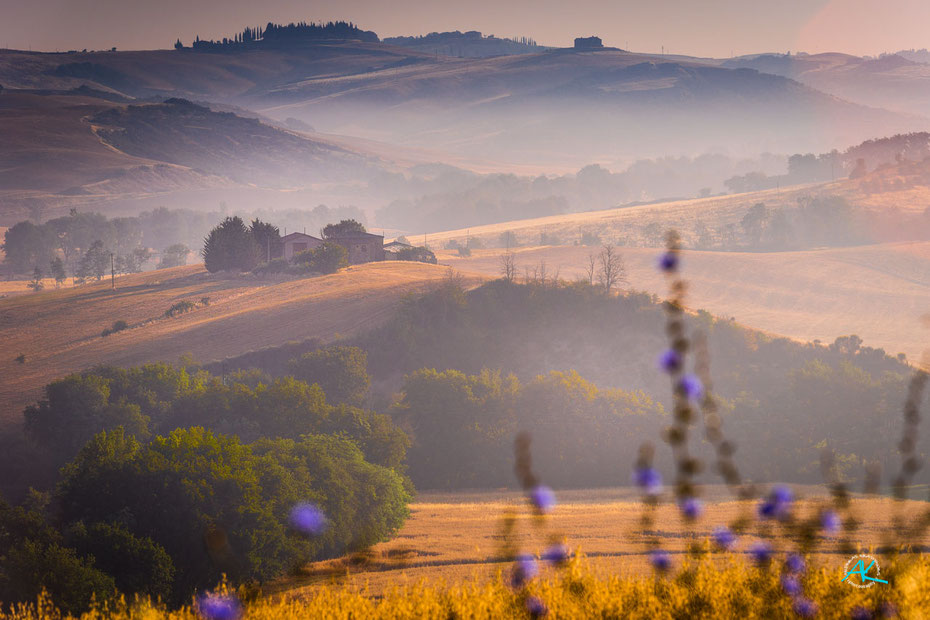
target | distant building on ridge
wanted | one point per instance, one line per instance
(588, 43)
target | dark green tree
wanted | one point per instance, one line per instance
(95, 262)
(343, 228)
(57, 271)
(36, 282)
(267, 237)
(229, 247)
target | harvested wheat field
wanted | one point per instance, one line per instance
(683, 215)
(59, 331)
(879, 292)
(456, 537)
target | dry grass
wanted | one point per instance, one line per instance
(59, 330)
(455, 538)
(879, 292)
(683, 215)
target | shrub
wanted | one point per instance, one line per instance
(464, 252)
(180, 308)
(327, 258)
(118, 326)
(419, 254)
(276, 265)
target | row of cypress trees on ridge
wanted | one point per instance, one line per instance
(273, 33)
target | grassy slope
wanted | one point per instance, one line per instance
(59, 330)
(455, 537)
(880, 292)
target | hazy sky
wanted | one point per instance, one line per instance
(696, 27)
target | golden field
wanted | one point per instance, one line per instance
(442, 565)
(879, 292)
(58, 331)
(455, 538)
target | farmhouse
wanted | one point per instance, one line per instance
(362, 247)
(588, 43)
(391, 249)
(298, 242)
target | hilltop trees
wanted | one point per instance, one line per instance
(230, 246)
(343, 228)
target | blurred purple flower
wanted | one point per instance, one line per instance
(648, 479)
(219, 607)
(690, 507)
(668, 262)
(795, 564)
(660, 560)
(535, 607)
(308, 519)
(860, 613)
(524, 568)
(887, 609)
(670, 361)
(556, 554)
(761, 552)
(830, 522)
(691, 387)
(543, 498)
(790, 585)
(724, 538)
(782, 495)
(804, 607)
(777, 505)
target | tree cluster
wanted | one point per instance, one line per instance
(173, 478)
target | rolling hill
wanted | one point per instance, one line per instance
(559, 107)
(892, 82)
(59, 330)
(79, 149)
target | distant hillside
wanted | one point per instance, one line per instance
(221, 143)
(893, 81)
(74, 149)
(555, 109)
(471, 44)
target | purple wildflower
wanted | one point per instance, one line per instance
(524, 569)
(543, 499)
(535, 607)
(805, 607)
(690, 507)
(648, 479)
(777, 505)
(724, 538)
(761, 552)
(308, 519)
(887, 609)
(219, 607)
(668, 262)
(795, 564)
(691, 387)
(660, 560)
(830, 521)
(860, 613)
(556, 554)
(790, 585)
(670, 361)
